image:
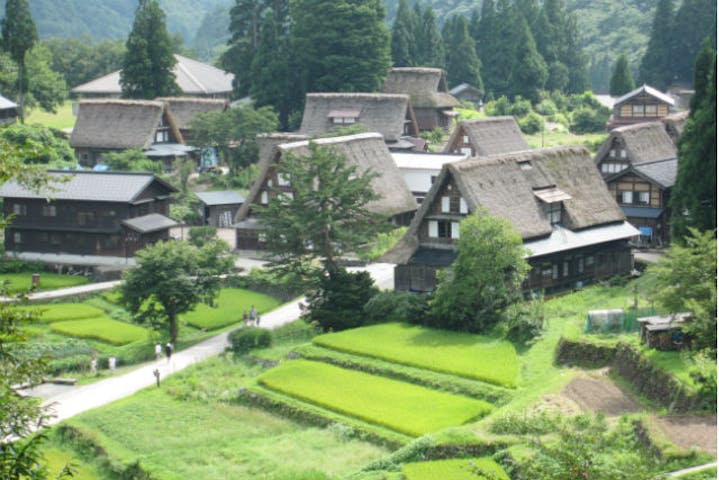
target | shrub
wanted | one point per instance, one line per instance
(586, 120)
(337, 304)
(16, 265)
(520, 107)
(525, 424)
(546, 107)
(245, 339)
(388, 306)
(525, 321)
(433, 136)
(198, 236)
(498, 107)
(532, 123)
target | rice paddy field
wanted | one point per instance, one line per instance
(229, 306)
(454, 469)
(471, 356)
(399, 406)
(57, 312)
(104, 329)
(18, 282)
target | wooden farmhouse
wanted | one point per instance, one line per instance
(219, 208)
(639, 164)
(486, 136)
(573, 229)
(8, 111)
(195, 79)
(645, 104)
(185, 109)
(421, 169)
(105, 126)
(365, 151)
(389, 114)
(427, 89)
(88, 213)
(464, 92)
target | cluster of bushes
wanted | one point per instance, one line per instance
(16, 265)
(245, 339)
(579, 113)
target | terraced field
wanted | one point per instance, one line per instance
(101, 328)
(230, 304)
(455, 469)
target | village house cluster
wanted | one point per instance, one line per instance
(578, 216)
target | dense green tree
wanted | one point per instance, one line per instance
(149, 59)
(404, 40)
(486, 277)
(485, 36)
(430, 46)
(622, 81)
(338, 302)
(656, 67)
(502, 57)
(574, 58)
(694, 21)
(463, 65)
(339, 46)
(131, 160)
(271, 72)
(44, 88)
(694, 196)
(170, 278)
(40, 144)
(546, 31)
(19, 35)
(234, 133)
(702, 74)
(529, 72)
(686, 281)
(80, 60)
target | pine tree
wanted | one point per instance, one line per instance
(485, 40)
(574, 58)
(19, 34)
(529, 72)
(702, 73)
(656, 67)
(621, 81)
(694, 196)
(403, 36)
(502, 56)
(339, 46)
(694, 20)
(147, 66)
(245, 18)
(463, 66)
(430, 46)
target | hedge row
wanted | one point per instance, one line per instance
(648, 379)
(288, 407)
(426, 378)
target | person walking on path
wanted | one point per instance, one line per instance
(168, 351)
(257, 320)
(93, 364)
(253, 314)
(112, 363)
(158, 351)
(245, 319)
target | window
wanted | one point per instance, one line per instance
(650, 110)
(454, 204)
(49, 211)
(269, 183)
(565, 269)
(283, 180)
(433, 229)
(343, 120)
(286, 196)
(589, 261)
(554, 212)
(463, 206)
(19, 209)
(263, 197)
(626, 197)
(17, 237)
(444, 229)
(623, 153)
(86, 218)
(455, 230)
(55, 239)
(555, 272)
(262, 237)
(644, 198)
(161, 136)
(612, 167)
(445, 204)
(612, 153)
(580, 265)
(465, 140)
(638, 110)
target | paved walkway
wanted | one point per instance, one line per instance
(69, 291)
(87, 397)
(687, 471)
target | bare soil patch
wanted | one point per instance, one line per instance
(687, 431)
(599, 394)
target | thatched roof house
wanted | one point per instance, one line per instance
(644, 104)
(194, 78)
(487, 136)
(389, 114)
(114, 125)
(674, 124)
(643, 142)
(185, 109)
(553, 198)
(267, 142)
(366, 151)
(427, 88)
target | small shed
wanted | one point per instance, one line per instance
(664, 332)
(464, 92)
(219, 208)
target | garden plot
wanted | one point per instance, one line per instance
(466, 355)
(455, 469)
(399, 406)
(102, 328)
(229, 305)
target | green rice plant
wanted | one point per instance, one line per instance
(466, 355)
(229, 305)
(455, 469)
(103, 329)
(57, 312)
(399, 406)
(48, 281)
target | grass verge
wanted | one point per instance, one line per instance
(21, 282)
(467, 355)
(400, 406)
(103, 329)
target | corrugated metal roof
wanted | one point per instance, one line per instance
(5, 103)
(86, 185)
(224, 197)
(563, 239)
(648, 90)
(425, 161)
(150, 223)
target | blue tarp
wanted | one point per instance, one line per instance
(646, 231)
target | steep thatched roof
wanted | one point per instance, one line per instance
(644, 142)
(89, 186)
(365, 151)
(490, 135)
(185, 109)
(427, 87)
(507, 186)
(378, 112)
(268, 141)
(674, 124)
(193, 77)
(119, 124)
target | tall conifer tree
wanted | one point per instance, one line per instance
(147, 66)
(19, 34)
(529, 71)
(245, 19)
(462, 62)
(485, 40)
(695, 19)
(622, 81)
(403, 36)
(656, 66)
(430, 46)
(502, 55)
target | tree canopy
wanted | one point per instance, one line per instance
(622, 81)
(485, 278)
(19, 35)
(149, 59)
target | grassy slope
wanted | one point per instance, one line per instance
(231, 302)
(60, 120)
(57, 458)
(403, 407)
(470, 356)
(48, 281)
(177, 436)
